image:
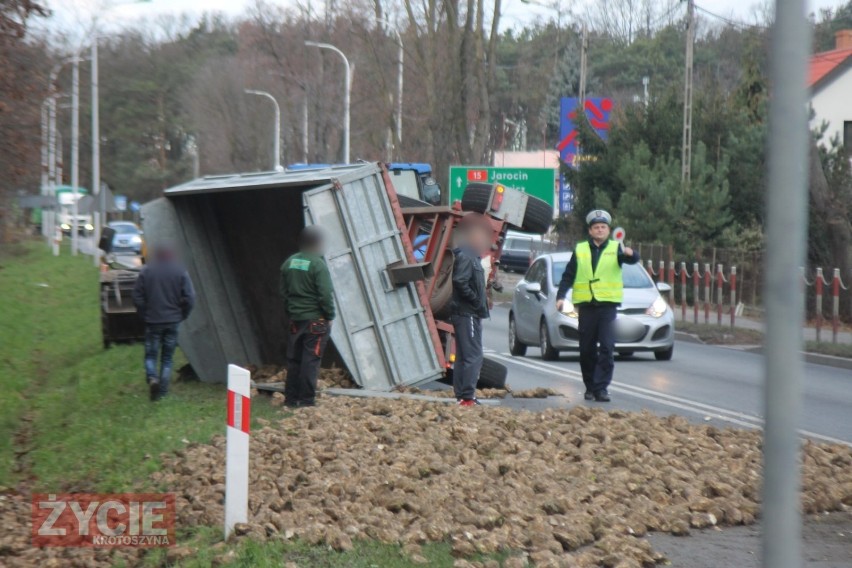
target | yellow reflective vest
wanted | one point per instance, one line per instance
(603, 284)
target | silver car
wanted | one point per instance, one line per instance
(645, 321)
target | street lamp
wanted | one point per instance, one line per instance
(305, 101)
(100, 208)
(277, 143)
(346, 94)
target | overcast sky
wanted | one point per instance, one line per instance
(515, 13)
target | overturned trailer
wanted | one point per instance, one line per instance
(234, 231)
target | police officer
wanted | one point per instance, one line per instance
(594, 275)
(306, 290)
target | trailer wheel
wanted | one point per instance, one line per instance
(492, 375)
(537, 217)
(477, 197)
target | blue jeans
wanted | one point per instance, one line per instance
(160, 340)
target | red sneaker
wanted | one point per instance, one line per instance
(466, 402)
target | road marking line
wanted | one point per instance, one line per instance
(746, 420)
(710, 408)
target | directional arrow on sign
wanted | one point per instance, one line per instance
(458, 182)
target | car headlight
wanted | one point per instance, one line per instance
(65, 227)
(658, 308)
(136, 239)
(569, 310)
(89, 227)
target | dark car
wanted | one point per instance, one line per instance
(521, 248)
(128, 238)
(517, 253)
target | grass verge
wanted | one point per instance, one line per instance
(834, 349)
(208, 549)
(75, 416)
(725, 335)
(721, 334)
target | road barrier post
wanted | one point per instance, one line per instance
(707, 288)
(818, 283)
(662, 276)
(649, 266)
(719, 279)
(671, 283)
(683, 291)
(237, 447)
(696, 277)
(57, 239)
(835, 304)
(733, 295)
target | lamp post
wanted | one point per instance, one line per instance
(305, 101)
(346, 93)
(52, 142)
(100, 208)
(277, 143)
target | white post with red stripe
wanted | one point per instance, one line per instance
(237, 449)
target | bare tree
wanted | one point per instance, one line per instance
(455, 45)
(625, 20)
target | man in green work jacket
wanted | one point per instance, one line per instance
(307, 292)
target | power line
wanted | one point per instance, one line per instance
(729, 21)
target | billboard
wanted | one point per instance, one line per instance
(598, 111)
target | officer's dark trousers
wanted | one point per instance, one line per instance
(597, 343)
(468, 355)
(305, 347)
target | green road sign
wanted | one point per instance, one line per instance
(539, 182)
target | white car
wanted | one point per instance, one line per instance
(645, 321)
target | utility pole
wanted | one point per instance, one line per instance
(584, 48)
(75, 153)
(45, 134)
(305, 102)
(784, 302)
(686, 155)
(100, 205)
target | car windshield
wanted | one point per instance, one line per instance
(125, 229)
(633, 275)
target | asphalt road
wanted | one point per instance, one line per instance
(709, 384)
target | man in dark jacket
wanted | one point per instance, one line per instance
(308, 296)
(469, 305)
(164, 297)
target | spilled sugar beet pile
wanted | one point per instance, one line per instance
(570, 488)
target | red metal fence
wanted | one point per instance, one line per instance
(720, 292)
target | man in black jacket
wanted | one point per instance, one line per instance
(164, 297)
(469, 305)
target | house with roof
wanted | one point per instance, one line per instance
(830, 81)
